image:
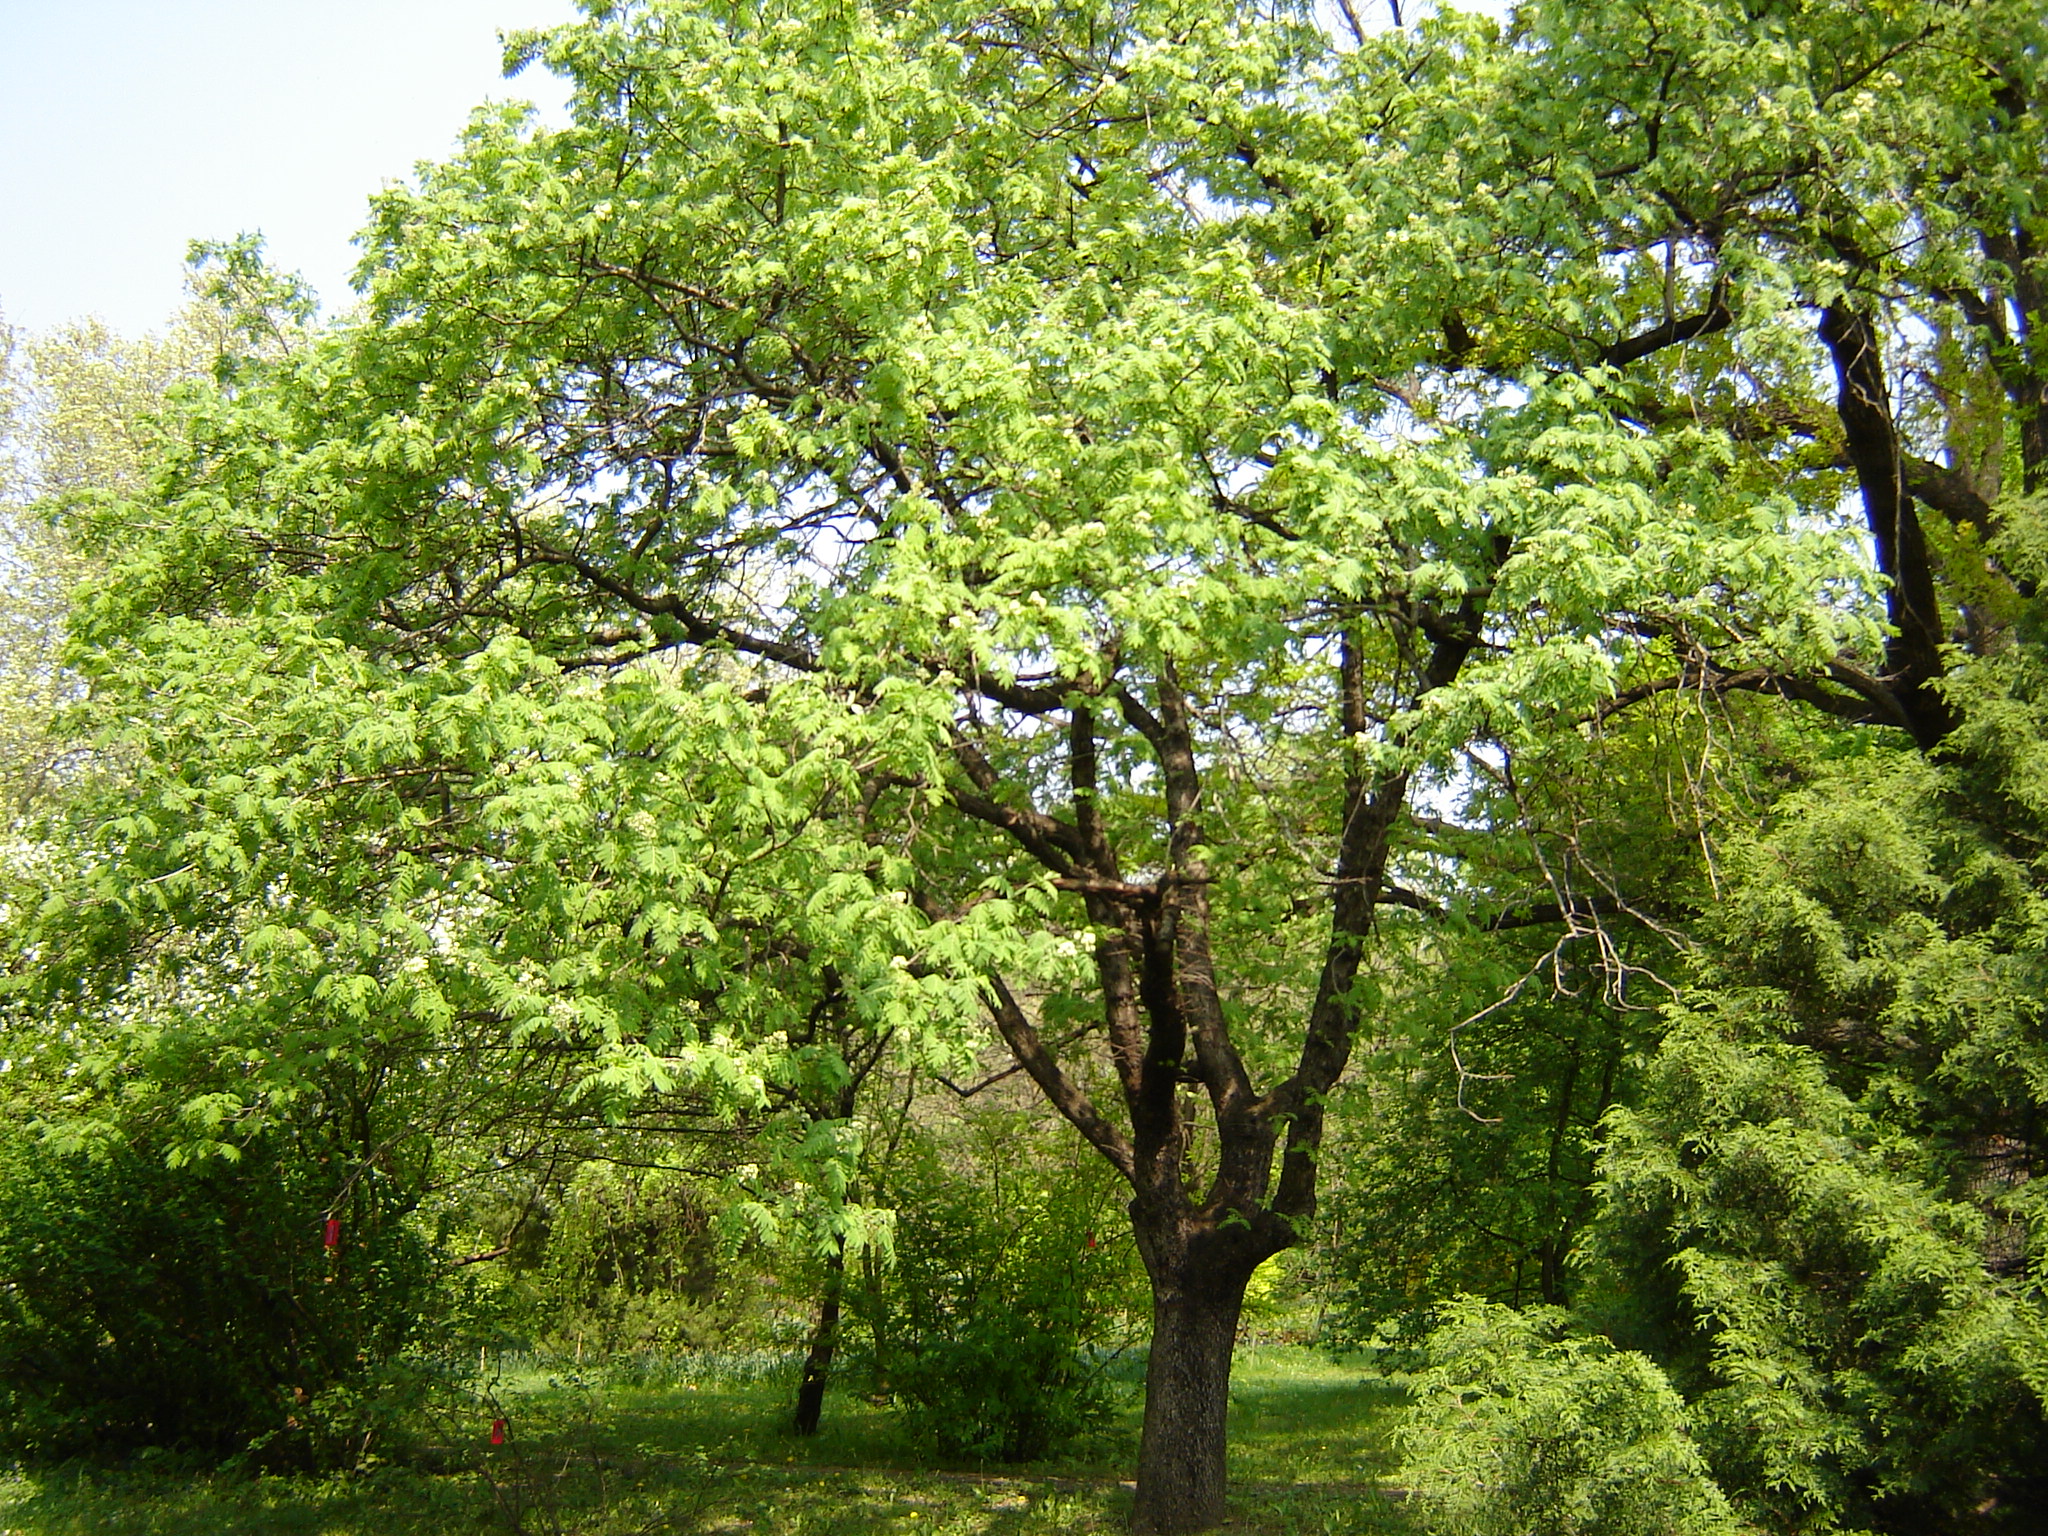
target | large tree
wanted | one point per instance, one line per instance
(1114, 458)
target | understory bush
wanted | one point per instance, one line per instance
(1518, 1429)
(201, 1310)
(626, 1261)
(1001, 1389)
(1014, 1285)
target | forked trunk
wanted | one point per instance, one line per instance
(1181, 1478)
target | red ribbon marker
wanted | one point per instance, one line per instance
(333, 1233)
(497, 1431)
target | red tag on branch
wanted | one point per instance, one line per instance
(333, 1233)
(497, 1431)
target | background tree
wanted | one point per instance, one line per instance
(1815, 1218)
(77, 412)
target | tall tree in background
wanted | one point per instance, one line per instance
(75, 411)
(1078, 471)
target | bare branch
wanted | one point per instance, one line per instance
(1060, 1090)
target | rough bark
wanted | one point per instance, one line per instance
(1198, 1285)
(1181, 1463)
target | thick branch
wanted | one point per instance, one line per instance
(1950, 493)
(1715, 317)
(1082, 775)
(1063, 1093)
(1372, 803)
(1245, 1153)
(1913, 654)
(696, 628)
(1869, 701)
(1047, 839)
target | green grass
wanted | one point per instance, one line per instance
(617, 1454)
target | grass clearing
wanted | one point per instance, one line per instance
(633, 1451)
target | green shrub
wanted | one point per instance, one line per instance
(626, 1261)
(198, 1310)
(1519, 1430)
(1013, 1287)
(1848, 1357)
(1001, 1389)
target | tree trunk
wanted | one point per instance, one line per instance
(1181, 1478)
(810, 1390)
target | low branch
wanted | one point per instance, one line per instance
(1060, 1090)
(1056, 844)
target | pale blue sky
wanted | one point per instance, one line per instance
(130, 127)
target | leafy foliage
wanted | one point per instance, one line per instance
(1521, 1429)
(1439, 1186)
(1793, 1257)
(906, 512)
(627, 1260)
(1822, 1215)
(1012, 1289)
(200, 1310)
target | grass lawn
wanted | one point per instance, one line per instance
(706, 1455)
